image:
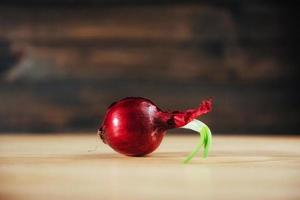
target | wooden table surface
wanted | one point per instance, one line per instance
(61, 167)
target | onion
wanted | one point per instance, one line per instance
(135, 126)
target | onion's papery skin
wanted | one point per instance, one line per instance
(135, 126)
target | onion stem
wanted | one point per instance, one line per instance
(205, 138)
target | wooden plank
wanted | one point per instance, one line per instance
(210, 61)
(156, 22)
(152, 22)
(60, 167)
(62, 106)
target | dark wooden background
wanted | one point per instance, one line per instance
(63, 62)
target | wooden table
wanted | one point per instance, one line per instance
(61, 167)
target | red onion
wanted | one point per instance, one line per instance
(135, 126)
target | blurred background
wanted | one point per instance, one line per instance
(63, 62)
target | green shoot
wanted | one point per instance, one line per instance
(205, 138)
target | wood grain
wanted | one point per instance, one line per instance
(60, 167)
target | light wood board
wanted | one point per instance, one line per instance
(59, 166)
